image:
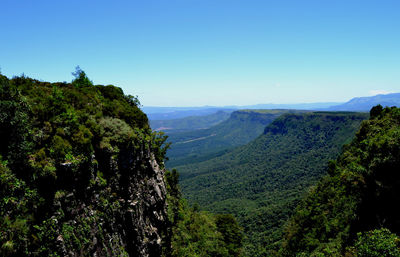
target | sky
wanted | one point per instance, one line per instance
(209, 52)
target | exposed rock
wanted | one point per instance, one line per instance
(129, 216)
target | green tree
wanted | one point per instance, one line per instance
(377, 243)
(81, 79)
(14, 126)
(231, 232)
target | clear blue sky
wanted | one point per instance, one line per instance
(209, 52)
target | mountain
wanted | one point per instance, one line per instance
(298, 106)
(190, 123)
(241, 127)
(352, 211)
(366, 103)
(262, 181)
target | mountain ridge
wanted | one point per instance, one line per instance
(367, 102)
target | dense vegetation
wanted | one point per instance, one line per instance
(199, 233)
(79, 176)
(262, 182)
(352, 210)
(56, 141)
(190, 123)
(242, 127)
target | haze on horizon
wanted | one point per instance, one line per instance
(217, 53)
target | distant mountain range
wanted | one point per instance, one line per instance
(366, 103)
(355, 104)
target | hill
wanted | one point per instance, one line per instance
(366, 103)
(241, 127)
(261, 182)
(190, 123)
(352, 211)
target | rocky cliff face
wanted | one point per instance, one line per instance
(114, 206)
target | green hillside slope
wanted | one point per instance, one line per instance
(242, 127)
(190, 123)
(261, 182)
(349, 211)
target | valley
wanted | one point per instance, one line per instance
(201, 144)
(260, 183)
(259, 164)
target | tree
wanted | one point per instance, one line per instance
(378, 242)
(80, 78)
(231, 232)
(14, 126)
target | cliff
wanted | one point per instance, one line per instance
(81, 172)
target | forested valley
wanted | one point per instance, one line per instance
(262, 181)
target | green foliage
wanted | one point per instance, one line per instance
(81, 79)
(357, 195)
(197, 233)
(262, 182)
(14, 126)
(17, 202)
(231, 232)
(377, 243)
(175, 203)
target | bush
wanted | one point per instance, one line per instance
(378, 242)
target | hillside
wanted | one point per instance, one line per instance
(261, 182)
(366, 103)
(190, 123)
(352, 211)
(241, 127)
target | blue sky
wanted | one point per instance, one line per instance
(209, 52)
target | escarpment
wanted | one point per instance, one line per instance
(81, 172)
